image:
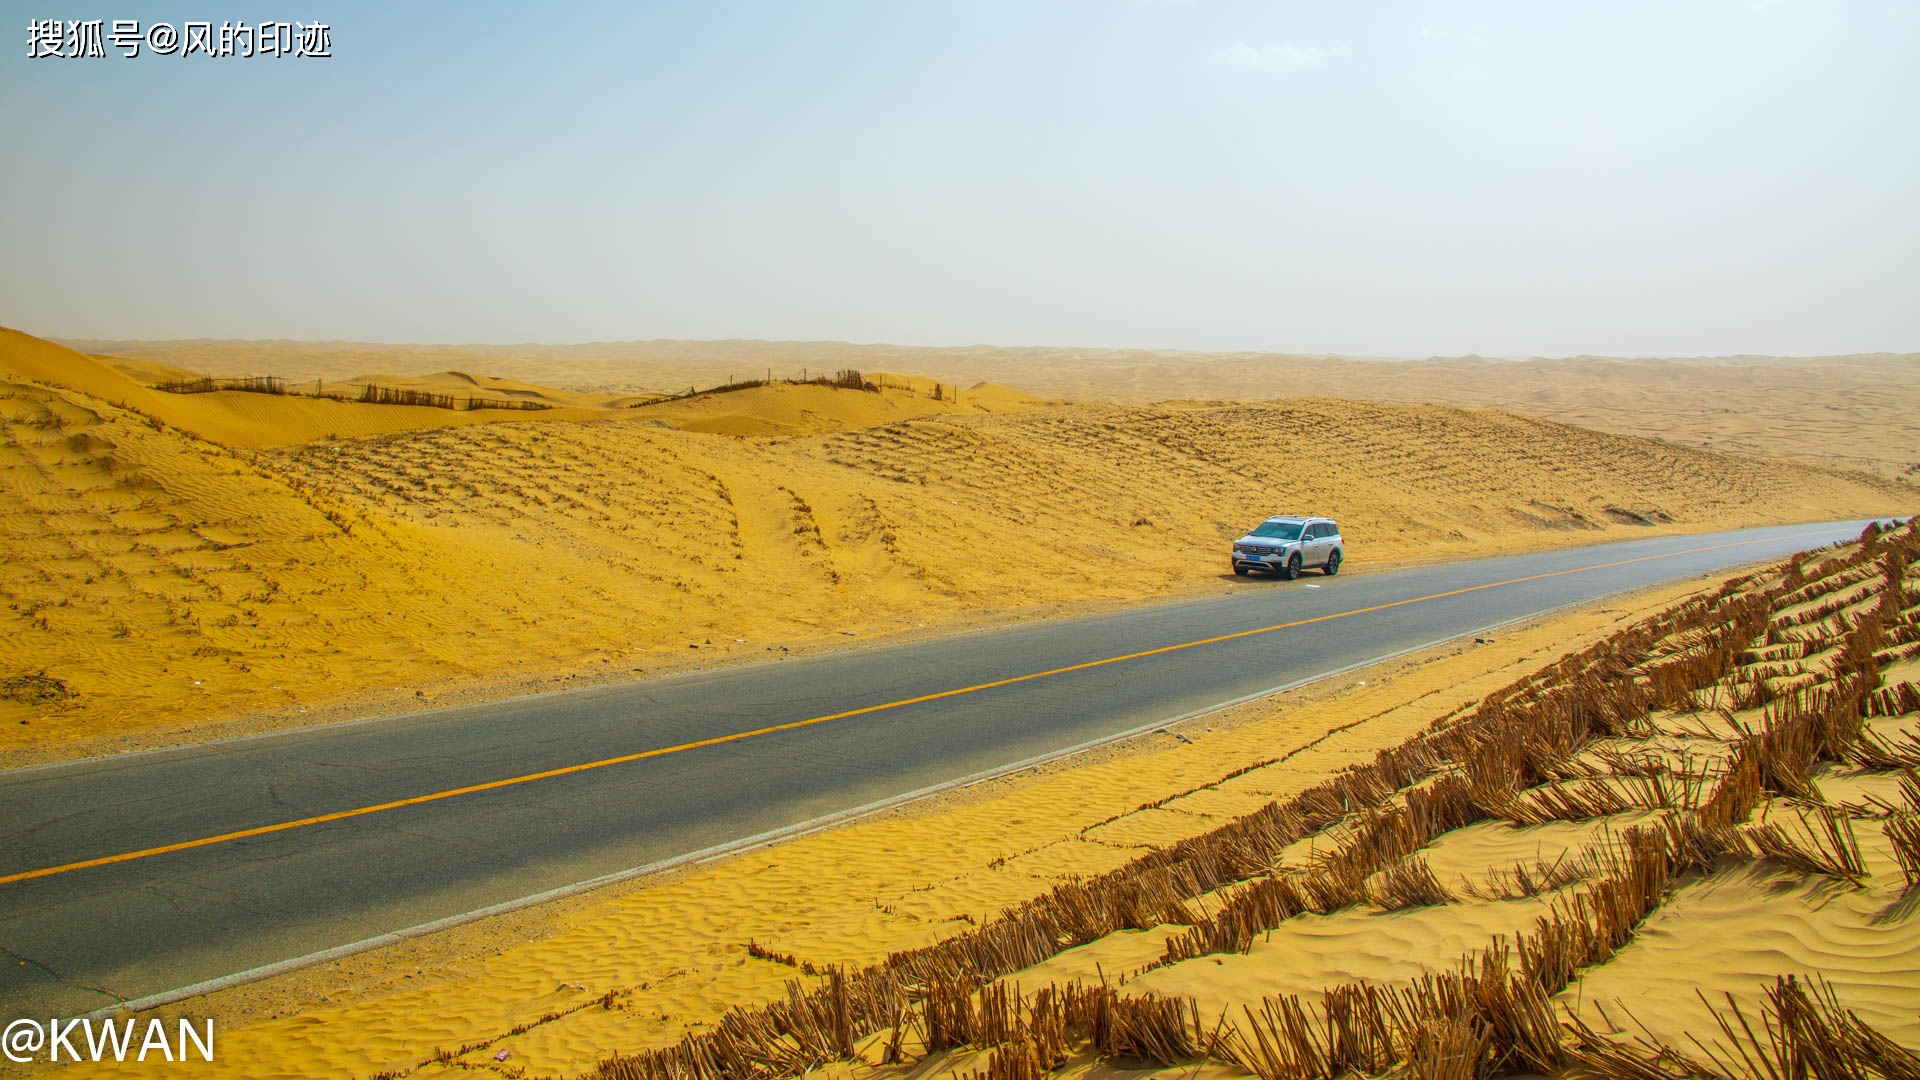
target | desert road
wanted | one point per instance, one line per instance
(120, 877)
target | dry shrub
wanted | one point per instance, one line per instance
(34, 688)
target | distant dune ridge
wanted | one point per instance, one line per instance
(1858, 411)
(174, 560)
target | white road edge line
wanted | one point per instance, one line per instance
(804, 828)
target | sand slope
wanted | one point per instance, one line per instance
(163, 581)
(233, 418)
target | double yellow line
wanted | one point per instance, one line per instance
(547, 774)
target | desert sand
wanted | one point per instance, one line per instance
(1597, 827)
(182, 563)
(1705, 778)
(1846, 411)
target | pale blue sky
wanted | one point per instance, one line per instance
(1385, 179)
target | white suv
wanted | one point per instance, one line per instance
(1286, 545)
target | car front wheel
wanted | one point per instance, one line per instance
(1333, 563)
(1293, 569)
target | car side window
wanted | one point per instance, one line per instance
(1316, 531)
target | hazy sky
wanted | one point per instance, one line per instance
(1375, 178)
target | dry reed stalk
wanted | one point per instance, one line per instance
(1161, 1030)
(1738, 793)
(1606, 796)
(1480, 1019)
(1253, 910)
(1276, 1043)
(1644, 762)
(1566, 802)
(948, 1015)
(1896, 700)
(1016, 1060)
(1525, 880)
(1358, 1037)
(1903, 832)
(1406, 884)
(1495, 745)
(1694, 843)
(761, 952)
(1871, 751)
(1522, 1022)
(1046, 1032)
(1830, 848)
(1802, 1035)
(1752, 692)
(1449, 1049)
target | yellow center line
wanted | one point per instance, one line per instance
(567, 770)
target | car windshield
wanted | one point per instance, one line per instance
(1278, 530)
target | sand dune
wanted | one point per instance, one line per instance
(231, 418)
(805, 409)
(1845, 411)
(163, 582)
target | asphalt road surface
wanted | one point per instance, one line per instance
(773, 744)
